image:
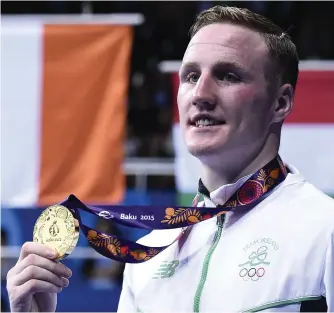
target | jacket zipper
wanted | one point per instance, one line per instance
(205, 267)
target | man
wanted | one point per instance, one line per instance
(237, 83)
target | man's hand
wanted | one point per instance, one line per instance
(35, 280)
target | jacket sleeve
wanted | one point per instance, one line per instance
(329, 275)
(126, 302)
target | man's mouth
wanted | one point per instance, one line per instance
(205, 121)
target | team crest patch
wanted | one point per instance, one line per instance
(258, 255)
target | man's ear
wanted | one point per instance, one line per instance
(283, 103)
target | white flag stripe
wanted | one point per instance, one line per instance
(21, 87)
(310, 148)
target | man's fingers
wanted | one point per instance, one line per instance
(34, 272)
(32, 259)
(37, 248)
(33, 286)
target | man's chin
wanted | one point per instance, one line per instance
(206, 141)
(199, 151)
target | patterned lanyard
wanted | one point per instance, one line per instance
(251, 193)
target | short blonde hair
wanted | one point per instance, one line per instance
(282, 52)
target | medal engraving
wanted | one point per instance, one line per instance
(57, 228)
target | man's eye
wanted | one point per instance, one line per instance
(192, 78)
(229, 77)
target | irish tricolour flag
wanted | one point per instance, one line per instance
(64, 89)
(307, 138)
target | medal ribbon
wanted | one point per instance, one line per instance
(152, 217)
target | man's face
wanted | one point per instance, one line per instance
(223, 101)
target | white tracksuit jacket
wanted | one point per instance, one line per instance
(278, 256)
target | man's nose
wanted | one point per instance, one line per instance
(203, 95)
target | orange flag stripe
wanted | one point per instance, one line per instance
(85, 86)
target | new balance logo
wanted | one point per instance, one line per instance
(166, 270)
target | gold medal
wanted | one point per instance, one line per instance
(57, 228)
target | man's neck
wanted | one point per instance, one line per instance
(229, 169)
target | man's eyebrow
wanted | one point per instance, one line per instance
(229, 64)
(189, 65)
(225, 64)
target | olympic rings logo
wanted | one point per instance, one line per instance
(252, 273)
